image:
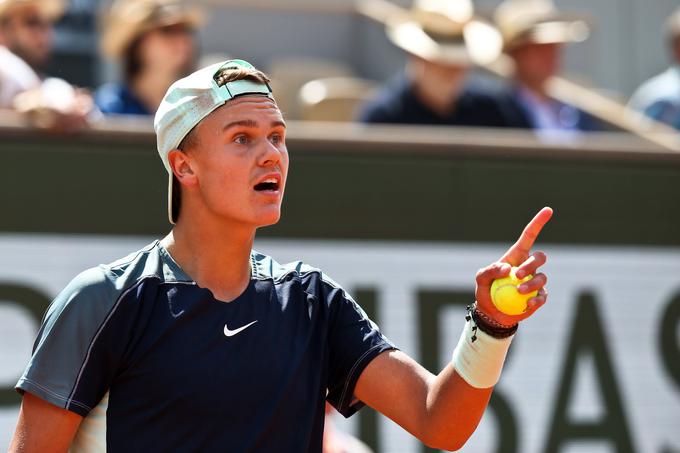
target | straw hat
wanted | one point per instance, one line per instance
(445, 31)
(129, 19)
(539, 22)
(51, 9)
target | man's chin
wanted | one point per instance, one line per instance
(268, 223)
(268, 219)
(38, 64)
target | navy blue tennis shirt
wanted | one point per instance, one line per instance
(155, 363)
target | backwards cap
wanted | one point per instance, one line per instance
(191, 99)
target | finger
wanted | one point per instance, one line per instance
(520, 249)
(492, 272)
(535, 284)
(537, 302)
(536, 260)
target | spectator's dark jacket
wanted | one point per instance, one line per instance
(398, 103)
(479, 104)
(515, 115)
(118, 99)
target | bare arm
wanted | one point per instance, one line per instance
(444, 410)
(43, 427)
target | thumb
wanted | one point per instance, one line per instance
(487, 275)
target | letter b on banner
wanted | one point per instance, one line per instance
(35, 302)
(431, 305)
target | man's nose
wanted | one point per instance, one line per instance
(271, 155)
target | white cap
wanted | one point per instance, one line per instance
(191, 99)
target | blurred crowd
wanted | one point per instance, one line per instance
(154, 42)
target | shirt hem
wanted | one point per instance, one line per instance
(52, 397)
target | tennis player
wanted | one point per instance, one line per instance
(199, 343)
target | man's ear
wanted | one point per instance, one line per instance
(181, 166)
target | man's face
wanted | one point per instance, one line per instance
(676, 49)
(28, 34)
(536, 63)
(172, 47)
(240, 162)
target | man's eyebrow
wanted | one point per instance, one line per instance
(244, 123)
(252, 124)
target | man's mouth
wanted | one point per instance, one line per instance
(269, 184)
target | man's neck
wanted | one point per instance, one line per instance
(215, 258)
(437, 93)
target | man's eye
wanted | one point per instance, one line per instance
(276, 139)
(241, 140)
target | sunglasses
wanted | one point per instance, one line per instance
(35, 23)
(176, 29)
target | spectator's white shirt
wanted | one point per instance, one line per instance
(16, 76)
(659, 97)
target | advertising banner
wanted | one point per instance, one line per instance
(596, 370)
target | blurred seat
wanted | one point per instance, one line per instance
(289, 74)
(333, 98)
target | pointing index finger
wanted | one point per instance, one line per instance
(520, 249)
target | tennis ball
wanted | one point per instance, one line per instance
(505, 296)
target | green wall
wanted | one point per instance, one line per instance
(114, 183)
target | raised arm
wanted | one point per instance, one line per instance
(43, 427)
(444, 410)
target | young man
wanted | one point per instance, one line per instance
(197, 342)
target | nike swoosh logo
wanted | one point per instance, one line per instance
(231, 333)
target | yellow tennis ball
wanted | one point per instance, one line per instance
(505, 296)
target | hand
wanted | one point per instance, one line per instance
(519, 255)
(56, 107)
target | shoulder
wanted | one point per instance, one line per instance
(116, 98)
(664, 86)
(13, 65)
(492, 102)
(15, 77)
(313, 280)
(388, 103)
(109, 98)
(96, 290)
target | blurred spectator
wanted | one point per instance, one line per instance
(443, 39)
(336, 441)
(659, 97)
(26, 39)
(155, 43)
(533, 35)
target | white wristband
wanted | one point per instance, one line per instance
(480, 362)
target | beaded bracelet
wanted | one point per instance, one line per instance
(488, 325)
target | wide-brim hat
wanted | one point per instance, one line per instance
(446, 32)
(538, 22)
(51, 9)
(127, 20)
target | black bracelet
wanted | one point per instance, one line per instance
(487, 325)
